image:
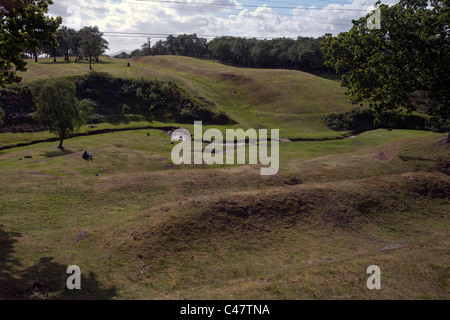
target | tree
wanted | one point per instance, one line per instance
(53, 51)
(122, 55)
(92, 43)
(408, 56)
(23, 24)
(147, 47)
(59, 109)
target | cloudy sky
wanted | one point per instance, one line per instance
(127, 24)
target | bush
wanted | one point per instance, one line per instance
(359, 120)
(96, 118)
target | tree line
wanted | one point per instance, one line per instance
(87, 43)
(303, 53)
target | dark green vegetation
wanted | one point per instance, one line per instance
(58, 108)
(24, 24)
(87, 43)
(112, 99)
(301, 54)
(360, 120)
(408, 57)
(154, 99)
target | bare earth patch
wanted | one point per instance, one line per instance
(385, 155)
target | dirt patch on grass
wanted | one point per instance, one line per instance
(385, 155)
(235, 78)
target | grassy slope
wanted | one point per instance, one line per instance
(292, 101)
(156, 231)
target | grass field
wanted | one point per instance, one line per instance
(292, 101)
(140, 227)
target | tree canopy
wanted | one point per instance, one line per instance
(92, 44)
(302, 53)
(24, 24)
(404, 64)
(58, 108)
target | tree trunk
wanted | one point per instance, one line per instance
(448, 137)
(61, 144)
(90, 63)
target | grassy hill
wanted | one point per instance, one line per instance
(140, 227)
(292, 101)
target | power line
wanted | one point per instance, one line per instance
(282, 2)
(161, 35)
(252, 15)
(228, 5)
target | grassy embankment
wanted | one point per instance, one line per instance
(157, 231)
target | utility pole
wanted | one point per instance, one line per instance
(149, 45)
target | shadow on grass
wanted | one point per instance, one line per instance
(44, 280)
(57, 153)
(330, 76)
(126, 119)
(61, 61)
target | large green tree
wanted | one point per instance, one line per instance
(389, 67)
(24, 24)
(59, 109)
(92, 45)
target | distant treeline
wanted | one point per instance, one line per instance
(302, 53)
(87, 43)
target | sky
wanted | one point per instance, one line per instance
(127, 24)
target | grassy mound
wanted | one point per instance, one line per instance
(292, 101)
(140, 227)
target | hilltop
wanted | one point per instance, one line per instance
(293, 101)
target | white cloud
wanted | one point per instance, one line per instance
(209, 17)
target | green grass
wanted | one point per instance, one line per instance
(159, 231)
(155, 231)
(292, 101)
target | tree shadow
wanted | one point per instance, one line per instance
(46, 280)
(122, 119)
(57, 153)
(60, 60)
(330, 76)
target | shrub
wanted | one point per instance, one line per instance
(96, 118)
(359, 120)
